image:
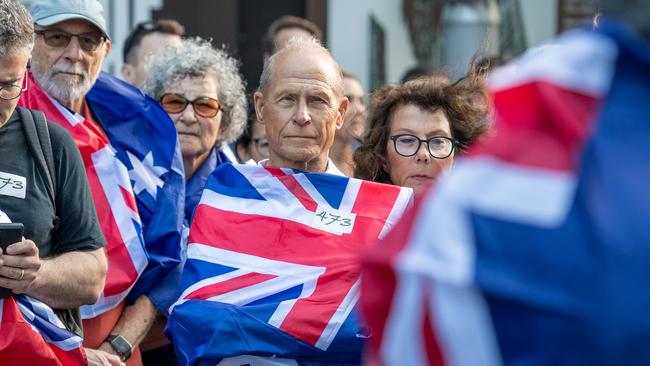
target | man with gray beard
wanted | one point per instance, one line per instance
(67, 72)
(133, 181)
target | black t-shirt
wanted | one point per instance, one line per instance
(24, 198)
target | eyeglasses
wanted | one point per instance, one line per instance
(262, 146)
(61, 39)
(11, 91)
(440, 147)
(203, 106)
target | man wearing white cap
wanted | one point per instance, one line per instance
(67, 70)
(70, 46)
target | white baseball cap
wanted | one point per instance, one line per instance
(49, 12)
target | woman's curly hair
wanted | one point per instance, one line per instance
(464, 103)
(196, 57)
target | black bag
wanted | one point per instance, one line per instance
(38, 139)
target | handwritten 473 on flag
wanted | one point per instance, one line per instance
(282, 246)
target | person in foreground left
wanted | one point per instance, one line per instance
(59, 262)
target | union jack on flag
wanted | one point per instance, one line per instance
(271, 272)
(32, 334)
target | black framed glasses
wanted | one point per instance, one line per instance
(12, 91)
(58, 38)
(203, 106)
(439, 147)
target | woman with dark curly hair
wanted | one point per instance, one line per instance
(444, 117)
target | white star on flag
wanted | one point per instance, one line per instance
(145, 174)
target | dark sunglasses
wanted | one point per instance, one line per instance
(61, 39)
(203, 106)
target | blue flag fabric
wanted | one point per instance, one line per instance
(145, 141)
(590, 272)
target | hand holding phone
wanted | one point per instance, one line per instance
(9, 234)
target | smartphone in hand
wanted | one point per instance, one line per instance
(9, 234)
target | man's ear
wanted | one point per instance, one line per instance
(258, 99)
(107, 48)
(343, 107)
(128, 73)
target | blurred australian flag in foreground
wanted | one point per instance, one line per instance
(534, 249)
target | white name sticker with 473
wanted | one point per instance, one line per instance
(12, 185)
(334, 221)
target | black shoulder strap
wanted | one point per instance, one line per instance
(37, 135)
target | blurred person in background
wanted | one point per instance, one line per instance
(416, 72)
(283, 29)
(252, 146)
(349, 136)
(146, 39)
(415, 129)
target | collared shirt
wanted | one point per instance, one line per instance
(331, 168)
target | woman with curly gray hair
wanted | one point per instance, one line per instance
(201, 90)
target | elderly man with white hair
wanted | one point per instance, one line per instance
(301, 104)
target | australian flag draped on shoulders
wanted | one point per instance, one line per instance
(271, 276)
(135, 173)
(534, 249)
(32, 334)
